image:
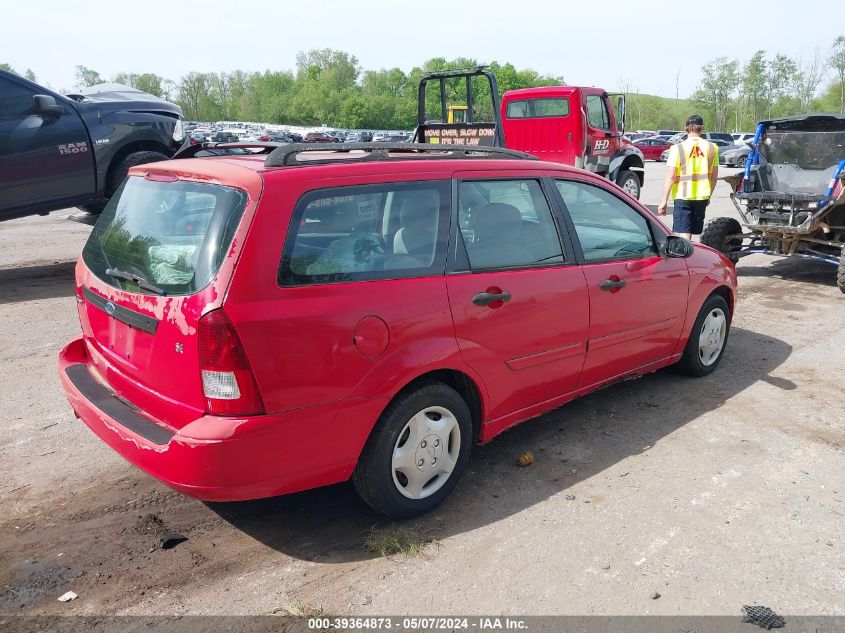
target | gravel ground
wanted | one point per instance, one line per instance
(714, 493)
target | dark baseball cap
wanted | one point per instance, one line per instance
(695, 119)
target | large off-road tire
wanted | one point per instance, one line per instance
(840, 273)
(416, 453)
(629, 183)
(717, 234)
(707, 339)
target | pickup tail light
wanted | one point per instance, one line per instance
(227, 380)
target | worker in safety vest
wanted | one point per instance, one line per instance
(691, 179)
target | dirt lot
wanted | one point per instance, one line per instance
(713, 493)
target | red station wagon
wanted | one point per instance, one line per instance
(259, 324)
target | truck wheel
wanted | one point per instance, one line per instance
(717, 234)
(840, 273)
(94, 208)
(629, 183)
(416, 453)
(707, 339)
(120, 171)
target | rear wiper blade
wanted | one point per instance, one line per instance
(142, 283)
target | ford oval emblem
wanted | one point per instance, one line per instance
(110, 308)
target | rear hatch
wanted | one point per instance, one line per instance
(159, 257)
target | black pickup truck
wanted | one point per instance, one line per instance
(63, 151)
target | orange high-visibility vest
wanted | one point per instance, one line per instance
(693, 159)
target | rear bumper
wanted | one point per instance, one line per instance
(224, 459)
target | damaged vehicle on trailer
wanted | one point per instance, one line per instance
(790, 194)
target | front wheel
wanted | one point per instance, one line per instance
(741, 162)
(94, 208)
(722, 234)
(416, 453)
(708, 338)
(629, 183)
(121, 170)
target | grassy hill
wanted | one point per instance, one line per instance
(650, 112)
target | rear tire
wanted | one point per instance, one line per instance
(717, 234)
(742, 160)
(708, 338)
(840, 273)
(416, 453)
(629, 183)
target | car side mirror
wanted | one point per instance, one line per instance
(46, 106)
(678, 247)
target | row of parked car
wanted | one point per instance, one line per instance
(733, 148)
(215, 133)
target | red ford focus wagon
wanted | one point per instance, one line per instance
(255, 324)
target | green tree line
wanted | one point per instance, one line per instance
(330, 87)
(736, 95)
(326, 87)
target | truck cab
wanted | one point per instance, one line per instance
(578, 126)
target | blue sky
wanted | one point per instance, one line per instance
(643, 42)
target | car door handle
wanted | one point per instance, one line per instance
(611, 284)
(486, 298)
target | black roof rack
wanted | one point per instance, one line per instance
(287, 154)
(809, 116)
(189, 151)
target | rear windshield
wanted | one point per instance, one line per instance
(538, 108)
(723, 136)
(171, 235)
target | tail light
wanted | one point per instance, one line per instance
(227, 379)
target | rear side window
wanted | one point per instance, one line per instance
(506, 224)
(173, 235)
(360, 233)
(538, 108)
